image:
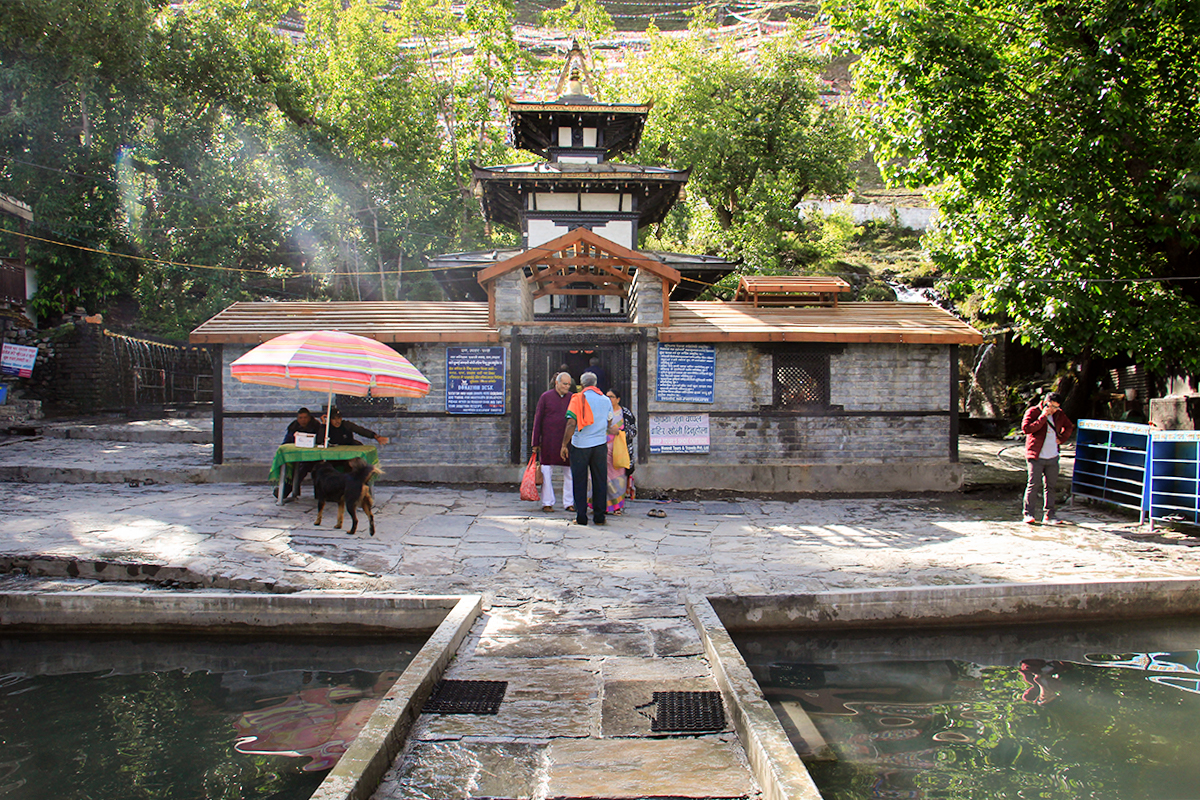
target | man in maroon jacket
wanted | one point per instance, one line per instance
(1041, 453)
(549, 426)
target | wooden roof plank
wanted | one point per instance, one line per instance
(878, 322)
(399, 321)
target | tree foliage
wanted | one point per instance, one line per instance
(756, 137)
(1063, 142)
(188, 155)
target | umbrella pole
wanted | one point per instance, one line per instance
(328, 414)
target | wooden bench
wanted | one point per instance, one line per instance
(774, 290)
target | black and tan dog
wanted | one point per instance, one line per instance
(347, 489)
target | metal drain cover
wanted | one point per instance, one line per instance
(466, 697)
(688, 711)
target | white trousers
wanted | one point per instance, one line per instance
(568, 489)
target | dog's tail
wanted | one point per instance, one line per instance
(363, 471)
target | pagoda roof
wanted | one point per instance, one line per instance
(535, 124)
(504, 186)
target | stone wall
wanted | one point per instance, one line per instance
(514, 297)
(894, 401)
(421, 432)
(82, 368)
(887, 427)
(646, 297)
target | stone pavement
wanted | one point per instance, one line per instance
(584, 622)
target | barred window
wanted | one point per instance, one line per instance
(351, 406)
(801, 379)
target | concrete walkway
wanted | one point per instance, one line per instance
(584, 622)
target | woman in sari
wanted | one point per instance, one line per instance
(617, 476)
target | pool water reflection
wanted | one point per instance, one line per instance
(110, 718)
(1098, 711)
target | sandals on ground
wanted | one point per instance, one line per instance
(656, 512)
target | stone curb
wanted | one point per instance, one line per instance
(33, 474)
(106, 570)
(119, 434)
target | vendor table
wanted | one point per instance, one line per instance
(291, 454)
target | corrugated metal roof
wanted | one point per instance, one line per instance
(401, 321)
(908, 323)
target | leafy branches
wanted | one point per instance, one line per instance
(755, 136)
(1063, 139)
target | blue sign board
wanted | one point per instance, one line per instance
(687, 373)
(475, 380)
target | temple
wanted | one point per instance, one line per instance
(786, 388)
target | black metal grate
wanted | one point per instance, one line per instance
(466, 697)
(349, 405)
(801, 379)
(691, 712)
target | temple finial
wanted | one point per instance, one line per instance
(575, 74)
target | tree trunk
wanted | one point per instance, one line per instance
(379, 256)
(85, 137)
(1079, 401)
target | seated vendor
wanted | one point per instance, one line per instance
(305, 422)
(342, 431)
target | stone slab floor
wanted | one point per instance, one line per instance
(584, 622)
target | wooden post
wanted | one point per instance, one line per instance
(666, 294)
(953, 404)
(218, 400)
(515, 386)
(643, 395)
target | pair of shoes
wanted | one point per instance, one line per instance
(547, 509)
(569, 508)
(1052, 521)
(1028, 520)
(656, 512)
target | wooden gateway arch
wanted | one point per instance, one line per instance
(581, 262)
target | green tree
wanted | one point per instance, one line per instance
(1063, 139)
(69, 79)
(756, 137)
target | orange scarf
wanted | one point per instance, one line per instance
(580, 408)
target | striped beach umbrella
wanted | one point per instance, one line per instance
(331, 361)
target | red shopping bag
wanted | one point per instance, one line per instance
(529, 480)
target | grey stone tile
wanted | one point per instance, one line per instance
(709, 767)
(458, 770)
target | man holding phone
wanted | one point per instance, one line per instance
(1046, 427)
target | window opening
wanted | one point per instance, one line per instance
(801, 379)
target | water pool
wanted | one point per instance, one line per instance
(104, 718)
(1047, 711)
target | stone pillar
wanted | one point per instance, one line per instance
(514, 298)
(646, 299)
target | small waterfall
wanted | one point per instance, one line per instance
(987, 396)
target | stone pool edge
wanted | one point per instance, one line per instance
(780, 772)
(447, 620)
(361, 768)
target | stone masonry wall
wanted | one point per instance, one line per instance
(514, 298)
(864, 378)
(647, 298)
(420, 430)
(83, 368)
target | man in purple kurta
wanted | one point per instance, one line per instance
(549, 426)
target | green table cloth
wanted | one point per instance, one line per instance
(291, 454)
